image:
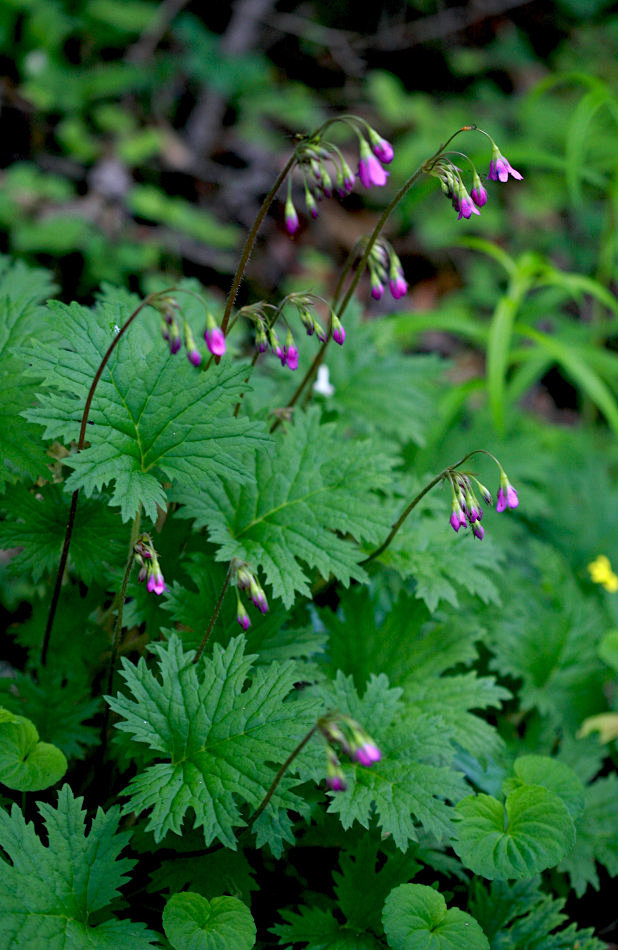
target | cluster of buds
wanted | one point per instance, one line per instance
(171, 332)
(325, 170)
(466, 203)
(246, 580)
(385, 268)
(264, 315)
(352, 740)
(146, 557)
(466, 508)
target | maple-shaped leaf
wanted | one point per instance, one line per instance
(220, 740)
(22, 290)
(154, 417)
(517, 915)
(597, 836)
(444, 565)
(36, 524)
(297, 504)
(415, 651)
(411, 783)
(384, 390)
(272, 636)
(318, 929)
(49, 891)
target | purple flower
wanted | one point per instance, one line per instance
(291, 217)
(155, 583)
(312, 207)
(398, 285)
(370, 170)
(336, 783)
(367, 754)
(478, 531)
(175, 343)
(241, 615)
(195, 357)
(458, 518)
(258, 596)
(466, 206)
(507, 496)
(382, 149)
(377, 289)
(337, 330)
(215, 340)
(500, 168)
(290, 357)
(345, 180)
(478, 195)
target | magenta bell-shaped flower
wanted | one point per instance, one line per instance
(215, 339)
(500, 168)
(370, 170)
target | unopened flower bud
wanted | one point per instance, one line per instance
(337, 330)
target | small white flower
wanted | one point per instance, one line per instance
(322, 385)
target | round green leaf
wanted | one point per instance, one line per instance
(415, 917)
(191, 922)
(26, 764)
(552, 775)
(531, 831)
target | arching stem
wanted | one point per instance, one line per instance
(64, 556)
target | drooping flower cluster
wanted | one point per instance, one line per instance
(466, 203)
(246, 580)
(385, 268)
(150, 571)
(171, 322)
(325, 170)
(466, 509)
(264, 316)
(352, 740)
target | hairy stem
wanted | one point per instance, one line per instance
(246, 251)
(400, 520)
(64, 556)
(215, 614)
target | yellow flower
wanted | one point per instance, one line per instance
(606, 724)
(601, 573)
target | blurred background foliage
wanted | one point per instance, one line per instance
(139, 139)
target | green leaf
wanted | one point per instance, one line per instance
(552, 775)
(442, 564)
(367, 870)
(405, 408)
(597, 836)
(517, 915)
(36, 523)
(320, 930)
(26, 764)
(22, 291)
(531, 831)
(217, 740)
(48, 892)
(296, 505)
(225, 870)
(561, 673)
(154, 417)
(57, 705)
(415, 917)
(411, 783)
(191, 922)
